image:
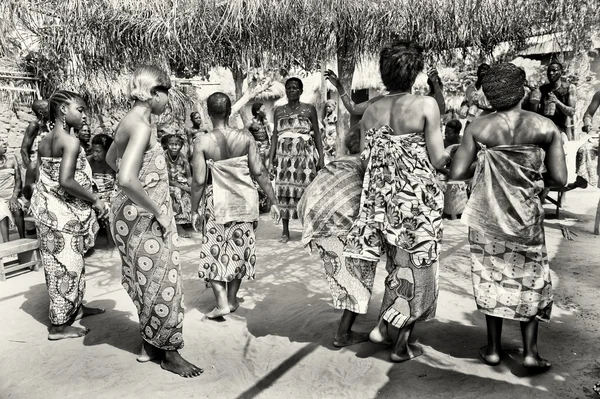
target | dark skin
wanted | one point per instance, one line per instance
(220, 144)
(31, 133)
(60, 144)
(97, 161)
(174, 146)
(405, 114)
(589, 113)
(294, 106)
(8, 162)
(514, 126)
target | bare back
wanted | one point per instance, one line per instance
(220, 145)
(131, 124)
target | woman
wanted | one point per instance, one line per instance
(327, 210)
(261, 131)
(295, 138)
(330, 131)
(10, 190)
(401, 204)
(63, 205)
(192, 133)
(513, 149)
(103, 175)
(84, 134)
(143, 224)
(180, 180)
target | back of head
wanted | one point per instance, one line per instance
(102, 139)
(256, 108)
(145, 80)
(218, 105)
(455, 125)
(352, 139)
(59, 98)
(399, 65)
(40, 107)
(504, 86)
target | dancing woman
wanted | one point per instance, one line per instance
(63, 205)
(144, 227)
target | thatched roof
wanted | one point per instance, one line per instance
(79, 39)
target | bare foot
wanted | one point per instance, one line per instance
(411, 351)
(234, 305)
(84, 311)
(379, 334)
(216, 313)
(148, 353)
(284, 238)
(174, 363)
(352, 338)
(62, 332)
(489, 358)
(536, 363)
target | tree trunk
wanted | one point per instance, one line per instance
(345, 64)
(238, 80)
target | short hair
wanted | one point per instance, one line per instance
(294, 79)
(555, 62)
(256, 108)
(218, 105)
(102, 139)
(194, 113)
(399, 65)
(145, 80)
(455, 125)
(504, 86)
(39, 106)
(61, 97)
(352, 139)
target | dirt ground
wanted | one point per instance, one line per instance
(278, 344)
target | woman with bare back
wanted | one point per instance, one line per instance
(63, 205)
(143, 224)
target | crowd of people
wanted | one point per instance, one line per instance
(385, 197)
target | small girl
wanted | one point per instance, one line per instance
(180, 180)
(330, 131)
(103, 176)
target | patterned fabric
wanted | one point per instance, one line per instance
(66, 227)
(331, 202)
(227, 251)
(350, 280)
(411, 289)
(505, 201)
(295, 161)
(104, 185)
(7, 187)
(263, 142)
(180, 199)
(510, 280)
(329, 137)
(587, 161)
(151, 268)
(401, 202)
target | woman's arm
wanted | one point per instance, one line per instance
(30, 134)
(131, 164)
(317, 134)
(462, 164)
(259, 171)
(111, 156)
(274, 137)
(555, 160)
(199, 175)
(438, 156)
(66, 178)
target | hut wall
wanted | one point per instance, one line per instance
(13, 125)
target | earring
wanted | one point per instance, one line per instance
(64, 121)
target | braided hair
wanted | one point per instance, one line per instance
(61, 97)
(504, 85)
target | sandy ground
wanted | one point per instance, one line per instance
(278, 344)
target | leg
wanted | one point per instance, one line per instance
(345, 336)
(220, 291)
(20, 223)
(4, 229)
(531, 357)
(174, 363)
(285, 236)
(85, 311)
(149, 352)
(490, 354)
(404, 351)
(64, 331)
(232, 289)
(379, 334)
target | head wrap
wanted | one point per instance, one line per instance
(503, 85)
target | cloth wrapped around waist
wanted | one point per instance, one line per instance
(505, 201)
(235, 197)
(7, 183)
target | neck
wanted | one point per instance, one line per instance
(294, 102)
(220, 123)
(143, 109)
(556, 84)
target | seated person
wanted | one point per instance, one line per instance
(103, 175)
(452, 133)
(10, 190)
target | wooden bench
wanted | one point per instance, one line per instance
(27, 251)
(560, 191)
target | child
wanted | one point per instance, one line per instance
(330, 131)
(180, 180)
(103, 175)
(10, 190)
